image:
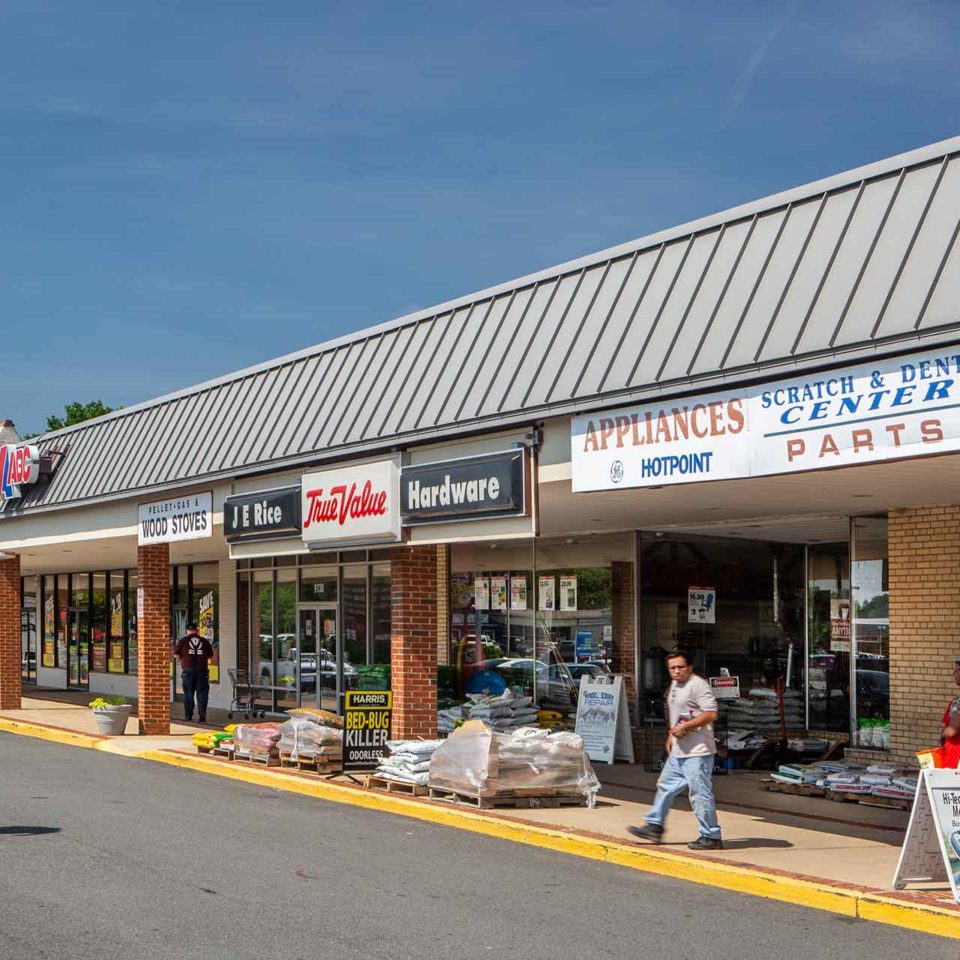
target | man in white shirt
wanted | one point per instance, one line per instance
(691, 746)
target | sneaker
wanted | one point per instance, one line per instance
(649, 831)
(706, 843)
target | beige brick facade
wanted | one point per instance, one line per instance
(924, 574)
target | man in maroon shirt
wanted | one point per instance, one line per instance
(194, 652)
(951, 727)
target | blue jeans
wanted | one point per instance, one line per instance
(195, 682)
(687, 773)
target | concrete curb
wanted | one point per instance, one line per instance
(843, 900)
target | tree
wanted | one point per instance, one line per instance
(77, 413)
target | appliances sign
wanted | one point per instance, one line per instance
(352, 505)
(19, 466)
(475, 488)
(169, 521)
(895, 408)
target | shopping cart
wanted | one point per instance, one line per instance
(244, 695)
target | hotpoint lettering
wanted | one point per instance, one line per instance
(343, 503)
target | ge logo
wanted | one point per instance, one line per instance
(616, 471)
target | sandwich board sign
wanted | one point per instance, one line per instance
(603, 720)
(931, 848)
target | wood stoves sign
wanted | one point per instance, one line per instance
(352, 505)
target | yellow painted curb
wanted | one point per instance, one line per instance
(924, 918)
(54, 734)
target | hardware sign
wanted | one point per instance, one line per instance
(474, 488)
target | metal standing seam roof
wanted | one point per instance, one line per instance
(860, 263)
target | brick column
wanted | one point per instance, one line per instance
(10, 633)
(153, 639)
(443, 604)
(924, 557)
(625, 630)
(413, 641)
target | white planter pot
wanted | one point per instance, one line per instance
(112, 721)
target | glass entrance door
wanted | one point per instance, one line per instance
(318, 681)
(78, 648)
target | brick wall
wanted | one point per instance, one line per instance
(924, 574)
(624, 630)
(443, 604)
(413, 641)
(153, 639)
(10, 634)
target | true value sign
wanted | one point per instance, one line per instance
(19, 466)
(352, 505)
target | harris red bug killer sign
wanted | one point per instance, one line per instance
(19, 467)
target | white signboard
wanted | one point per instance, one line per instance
(894, 408)
(603, 721)
(498, 593)
(352, 504)
(518, 592)
(931, 848)
(568, 594)
(725, 688)
(702, 604)
(189, 517)
(545, 593)
(481, 593)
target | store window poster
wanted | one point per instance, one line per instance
(568, 593)
(518, 593)
(481, 593)
(498, 593)
(546, 593)
(206, 624)
(701, 604)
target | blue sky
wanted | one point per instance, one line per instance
(189, 188)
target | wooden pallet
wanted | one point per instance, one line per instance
(889, 803)
(395, 786)
(324, 765)
(519, 799)
(841, 796)
(221, 753)
(263, 761)
(794, 789)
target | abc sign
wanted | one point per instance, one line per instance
(18, 466)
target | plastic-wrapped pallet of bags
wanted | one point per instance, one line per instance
(257, 739)
(478, 762)
(303, 738)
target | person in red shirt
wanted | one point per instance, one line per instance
(951, 728)
(194, 652)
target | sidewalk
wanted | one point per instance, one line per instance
(825, 852)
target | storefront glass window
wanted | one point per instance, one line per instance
(286, 659)
(736, 606)
(871, 633)
(381, 613)
(318, 584)
(205, 610)
(131, 615)
(62, 604)
(354, 617)
(49, 656)
(263, 625)
(29, 624)
(98, 624)
(828, 632)
(116, 597)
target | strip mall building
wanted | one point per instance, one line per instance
(740, 435)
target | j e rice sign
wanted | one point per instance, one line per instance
(899, 407)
